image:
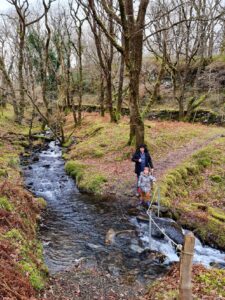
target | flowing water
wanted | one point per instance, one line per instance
(74, 226)
(205, 255)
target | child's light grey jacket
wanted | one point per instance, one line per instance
(145, 182)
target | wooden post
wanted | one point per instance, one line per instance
(185, 289)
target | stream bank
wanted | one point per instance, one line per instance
(73, 230)
(22, 272)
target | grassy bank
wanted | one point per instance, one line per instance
(22, 270)
(197, 189)
(102, 148)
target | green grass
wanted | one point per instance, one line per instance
(86, 179)
(31, 257)
(213, 280)
(5, 204)
(196, 190)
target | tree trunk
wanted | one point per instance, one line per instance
(136, 122)
(181, 108)
(102, 95)
(68, 99)
(20, 73)
(80, 74)
(109, 95)
(120, 87)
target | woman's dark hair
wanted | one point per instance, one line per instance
(142, 146)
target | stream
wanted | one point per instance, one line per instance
(74, 226)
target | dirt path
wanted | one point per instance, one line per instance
(175, 158)
(92, 283)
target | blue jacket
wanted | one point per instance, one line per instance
(148, 161)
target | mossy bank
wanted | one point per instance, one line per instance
(195, 192)
(23, 272)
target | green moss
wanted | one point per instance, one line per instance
(183, 172)
(200, 206)
(13, 162)
(86, 180)
(35, 276)
(216, 178)
(98, 153)
(5, 204)
(217, 213)
(31, 263)
(211, 231)
(192, 169)
(213, 280)
(75, 169)
(15, 235)
(41, 202)
(92, 182)
(68, 143)
(177, 176)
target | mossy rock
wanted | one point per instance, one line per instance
(211, 232)
(5, 204)
(41, 202)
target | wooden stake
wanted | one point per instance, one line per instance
(186, 267)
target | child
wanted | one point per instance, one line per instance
(145, 184)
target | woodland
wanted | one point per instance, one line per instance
(99, 78)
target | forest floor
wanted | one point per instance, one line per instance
(186, 158)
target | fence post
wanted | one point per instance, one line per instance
(185, 288)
